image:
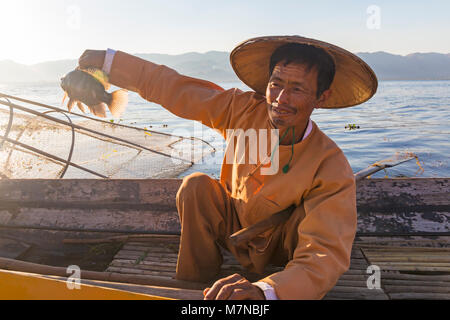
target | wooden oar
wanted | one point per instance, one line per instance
(397, 159)
(246, 234)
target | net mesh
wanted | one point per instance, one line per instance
(49, 144)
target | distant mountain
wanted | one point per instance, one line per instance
(215, 66)
(52, 71)
(212, 65)
(415, 66)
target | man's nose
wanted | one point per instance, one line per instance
(283, 97)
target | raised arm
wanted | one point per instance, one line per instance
(184, 96)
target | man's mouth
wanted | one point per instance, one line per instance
(281, 110)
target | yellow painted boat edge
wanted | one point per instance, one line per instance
(27, 286)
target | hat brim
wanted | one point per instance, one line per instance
(354, 81)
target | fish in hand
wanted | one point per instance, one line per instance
(88, 87)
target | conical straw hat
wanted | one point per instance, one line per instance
(354, 81)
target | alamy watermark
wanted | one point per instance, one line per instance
(73, 21)
(258, 147)
(373, 21)
(74, 280)
(249, 146)
(374, 281)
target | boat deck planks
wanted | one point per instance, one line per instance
(413, 268)
(403, 227)
(158, 257)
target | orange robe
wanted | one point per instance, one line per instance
(320, 181)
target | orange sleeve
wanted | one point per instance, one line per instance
(186, 97)
(325, 235)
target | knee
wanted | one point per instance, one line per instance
(192, 185)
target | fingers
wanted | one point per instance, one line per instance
(238, 288)
(234, 287)
(92, 58)
(242, 290)
(219, 284)
(84, 59)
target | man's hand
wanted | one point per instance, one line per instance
(92, 58)
(234, 287)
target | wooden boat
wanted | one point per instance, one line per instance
(124, 236)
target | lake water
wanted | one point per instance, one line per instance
(403, 116)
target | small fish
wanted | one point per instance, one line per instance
(88, 87)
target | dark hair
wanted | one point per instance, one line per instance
(311, 56)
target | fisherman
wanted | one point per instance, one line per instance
(290, 76)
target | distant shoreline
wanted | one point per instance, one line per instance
(218, 82)
(215, 66)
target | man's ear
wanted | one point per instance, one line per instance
(324, 98)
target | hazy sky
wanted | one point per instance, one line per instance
(34, 31)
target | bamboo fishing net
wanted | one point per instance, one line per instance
(50, 144)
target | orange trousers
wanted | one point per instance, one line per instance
(208, 217)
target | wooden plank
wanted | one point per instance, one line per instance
(150, 257)
(414, 283)
(411, 268)
(382, 192)
(403, 205)
(354, 277)
(356, 295)
(438, 241)
(356, 252)
(135, 271)
(48, 192)
(355, 272)
(154, 239)
(389, 288)
(142, 264)
(157, 247)
(352, 289)
(10, 248)
(411, 259)
(358, 264)
(47, 248)
(409, 220)
(402, 249)
(407, 254)
(419, 296)
(403, 192)
(413, 277)
(154, 252)
(384, 205)
(144, 240)
(342, 282)
(88, 219)
(417, 264)
(420, 259)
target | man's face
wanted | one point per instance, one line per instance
(291, 95)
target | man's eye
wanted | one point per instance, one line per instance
(273, 84)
